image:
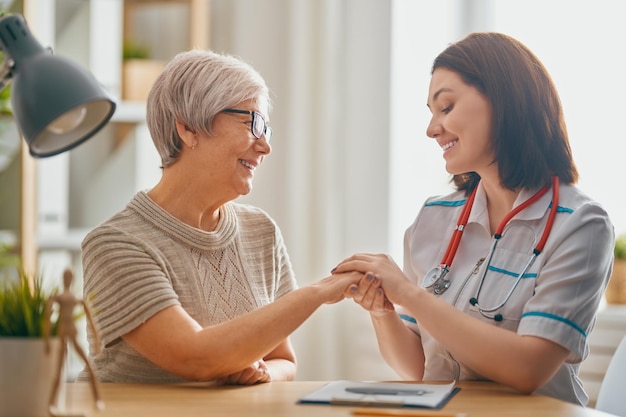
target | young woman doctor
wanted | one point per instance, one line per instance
(503, 277)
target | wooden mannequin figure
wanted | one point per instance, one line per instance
(67, 303)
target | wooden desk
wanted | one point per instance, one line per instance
(477, 399)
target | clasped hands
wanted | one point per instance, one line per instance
(370, 292)
(359, 277)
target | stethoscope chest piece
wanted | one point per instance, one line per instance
(436, 278)
(432, 276)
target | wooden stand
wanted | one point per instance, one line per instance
(138, 76)
(616, 290)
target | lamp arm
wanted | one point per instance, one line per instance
(6, 73)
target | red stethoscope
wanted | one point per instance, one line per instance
(436, 277)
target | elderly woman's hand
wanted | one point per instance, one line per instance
(255, 374)
(369, 294)
(335, 286)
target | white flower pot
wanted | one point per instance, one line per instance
(138, 76)
(26, 376)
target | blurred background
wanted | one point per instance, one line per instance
(350, 163)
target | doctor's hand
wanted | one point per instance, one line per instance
(255, 374)
(392, 279)
(369, 295)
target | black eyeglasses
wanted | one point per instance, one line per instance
(258, 127)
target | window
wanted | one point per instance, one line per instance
(580, 43)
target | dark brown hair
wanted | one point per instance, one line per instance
(530, 138)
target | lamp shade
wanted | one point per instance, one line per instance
(57, 105)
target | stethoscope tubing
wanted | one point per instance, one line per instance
(455, 241)
(474, 300)
(437, 276)
(440, 283)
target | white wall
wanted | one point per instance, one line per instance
(581, 42)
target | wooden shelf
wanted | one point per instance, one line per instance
(142, 27)
(199, 18)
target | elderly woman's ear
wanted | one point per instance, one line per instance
(187, 136)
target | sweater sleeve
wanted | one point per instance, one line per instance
(124, 281)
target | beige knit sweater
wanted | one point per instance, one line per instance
(143, 260)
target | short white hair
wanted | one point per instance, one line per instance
(195, 86)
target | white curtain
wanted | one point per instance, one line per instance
(326, 181)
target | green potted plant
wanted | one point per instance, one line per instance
(9, 136)
(616, 290)
(134, 50)
(22, 308)
(27, 371)
(5, 99)
(138, 71)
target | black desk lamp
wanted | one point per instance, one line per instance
(57, 105)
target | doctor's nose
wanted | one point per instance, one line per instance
(433, 129)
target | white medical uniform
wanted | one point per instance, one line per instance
(557, 298)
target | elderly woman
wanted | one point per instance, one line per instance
(184, 283)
